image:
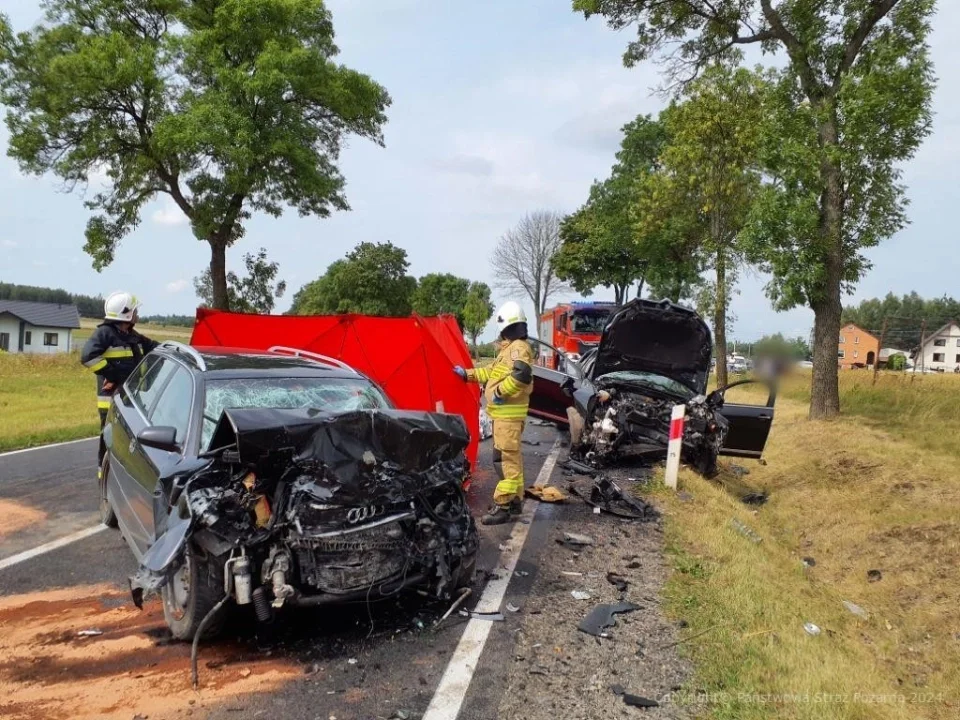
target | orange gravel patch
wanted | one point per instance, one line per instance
(49, 670)
(15, 516)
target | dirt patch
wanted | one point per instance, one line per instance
(559, 671)
(49, 670)
(15, 516)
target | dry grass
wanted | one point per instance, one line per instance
(45, 398)
(52, 398)
(151, 330)
(855, 497)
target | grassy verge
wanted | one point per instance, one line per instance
(151, 330)
(44, 399)
(870, 491)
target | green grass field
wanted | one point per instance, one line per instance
(52, 398)
(875, 490)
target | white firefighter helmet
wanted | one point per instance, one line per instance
(510, 314)
(120, 307)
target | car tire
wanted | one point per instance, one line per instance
(107, 514)
(191, 591)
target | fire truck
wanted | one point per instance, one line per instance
(572, 328)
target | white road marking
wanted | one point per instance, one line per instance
(50, 546)
(456, 678)
(47, 447)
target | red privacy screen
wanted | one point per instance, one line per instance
(410, 358)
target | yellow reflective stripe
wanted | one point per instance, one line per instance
(118, 352)
(508, 387)
(97, 365)
(481, 375)
(103, 402)
(499, 372)
(507, 410)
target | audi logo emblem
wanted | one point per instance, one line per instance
(356, 515)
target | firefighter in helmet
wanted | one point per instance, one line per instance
(509, 382)
(113, 351)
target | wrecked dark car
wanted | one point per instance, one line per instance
(618, 399)
(280, 478)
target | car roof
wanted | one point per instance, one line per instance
(222, 362)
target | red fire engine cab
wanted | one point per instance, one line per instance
(572, 328)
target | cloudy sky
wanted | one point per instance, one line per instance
(499, 108)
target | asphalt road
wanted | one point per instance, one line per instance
(355, 662)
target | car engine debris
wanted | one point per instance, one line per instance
(622, 422)
(299, 507)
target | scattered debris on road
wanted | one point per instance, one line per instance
(89, 633)
(602, 616)
(639, 701)
(745, 531)
(874, 576)
(576, 539)
(855, 609)
(618, 581)
(811, 629)
(809, 562)
(580, 595)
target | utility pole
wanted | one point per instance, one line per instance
(923, 340)
(876, 360)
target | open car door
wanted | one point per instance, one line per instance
(552, 389)
(749, 424)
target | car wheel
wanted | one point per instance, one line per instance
(190, 593)
(107, 515)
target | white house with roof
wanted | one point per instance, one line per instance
(33, 327)
(941, 350)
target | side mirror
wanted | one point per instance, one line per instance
(567, 387)
(715, 399)
(159, 438)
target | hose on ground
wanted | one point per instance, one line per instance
(195, 675)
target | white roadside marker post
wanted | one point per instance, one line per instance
(675, 445)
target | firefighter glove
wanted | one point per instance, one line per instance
(460, 372)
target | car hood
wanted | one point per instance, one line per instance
(657, 337)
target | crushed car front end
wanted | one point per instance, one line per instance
(300, 507)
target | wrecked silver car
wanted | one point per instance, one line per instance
(618, 399)
(274, 480)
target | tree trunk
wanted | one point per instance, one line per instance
(720, 317)
(826, 305)
(619, 293)
(640, 287)
(218, 274)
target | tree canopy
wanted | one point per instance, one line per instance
(853, 103)
(87, 305)
(601, 246)
(905, 316)
(477, 311)
(255, 293)
(440, 293)
(372, 279)
(226, 107)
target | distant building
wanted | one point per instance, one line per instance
(941, 350)
(33, 327)
(856, 347)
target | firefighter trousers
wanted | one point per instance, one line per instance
(103, 446)
(508, 460)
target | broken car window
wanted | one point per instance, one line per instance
(327, 394)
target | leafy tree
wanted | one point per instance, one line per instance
(225, 106)
(522, 261)
(371, 280)
(709, 175)
(600, 245)
(255, 293)
(853, 103)
(477, 312)
(441, 293)
(897, 361)
(905, 316)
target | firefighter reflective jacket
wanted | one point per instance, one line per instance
(113, 355)
(509, 380)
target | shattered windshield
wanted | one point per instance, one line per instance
(590, 323)
(327, 394)
(651, 380)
